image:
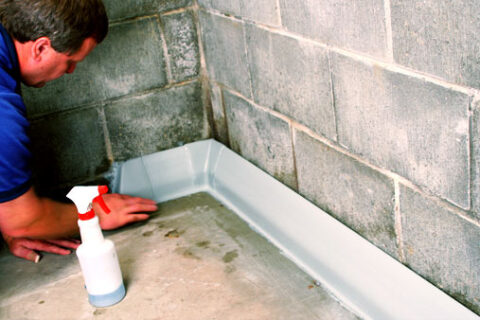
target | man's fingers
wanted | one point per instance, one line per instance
(136, 217)
(26, 253)
(144, 206)
(26, 248)
(148, 201)
(33, 256)
(45, 246)
(140, 207)
(135, 200)
(140, 199)
(72, 244)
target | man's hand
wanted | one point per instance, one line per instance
(123, 210)
(26, 248)
(33, 217)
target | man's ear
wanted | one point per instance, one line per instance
(40, 47)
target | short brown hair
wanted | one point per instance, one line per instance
(67, 23)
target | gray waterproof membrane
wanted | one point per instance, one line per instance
(364, 278)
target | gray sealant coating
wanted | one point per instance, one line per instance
(363, 277)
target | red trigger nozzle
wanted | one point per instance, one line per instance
(102, 189)
(99, 199)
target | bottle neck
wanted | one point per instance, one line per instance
(90, 231)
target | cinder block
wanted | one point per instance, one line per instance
(355, 194)
(129, 60)
(156, 121)
(219, 118)
(356, 25)
(68, 147)
(439, 37)
(292, 77)
(265, 11)
(181, 39)
(475, 125)
(136, 8)
(441, 246)
(225, 53)
(415, 128)
(67, 92)
(261, 138)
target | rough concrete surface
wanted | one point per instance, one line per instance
(441, 246)
(68, 146)
(475, 129)
(293, 77)
(357, 195)
(265, 11)
(131, 58)
(225, 52)
(182, 44)
(261, 138)
(134, 8)
(218, 110)
(352, 24)
(439, 37)
(194, 259)
(410, 126)
(156, 121)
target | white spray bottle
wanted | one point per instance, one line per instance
(97, 256)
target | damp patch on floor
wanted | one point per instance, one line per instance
(193, 259)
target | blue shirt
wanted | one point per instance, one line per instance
(15, 155)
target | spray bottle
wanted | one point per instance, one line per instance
(97, 256)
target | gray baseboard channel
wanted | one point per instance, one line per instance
(361, 276)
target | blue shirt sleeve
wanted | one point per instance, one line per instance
(15, 172)
(15, 155)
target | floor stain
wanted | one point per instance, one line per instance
(234, 231)
(230, 269)
(187, 253)
(99, 312)
(41, 302)
(173, 234)
(230, 256)
(147, 234)
(203, 244)
(128, 261)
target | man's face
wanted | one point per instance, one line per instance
(55, 64)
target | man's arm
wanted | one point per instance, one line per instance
(30, 216)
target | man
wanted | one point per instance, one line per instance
(41, 40)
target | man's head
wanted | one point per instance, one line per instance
(51, 36)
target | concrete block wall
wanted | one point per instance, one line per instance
(139, 92)
(368, 109)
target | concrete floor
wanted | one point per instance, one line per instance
(194, 259)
